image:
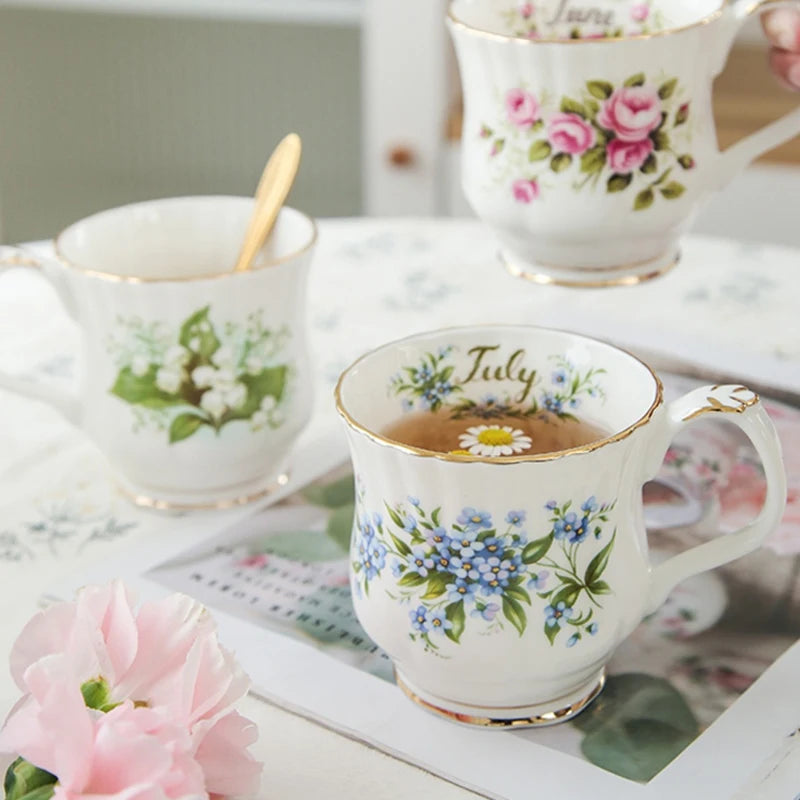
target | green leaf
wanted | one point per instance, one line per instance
(537, 126)
(661, 178)
(593, 160)
(636, 80)
(599, 587)
(673, 190)
(142, 390)
(333, 495)
(666, 90)
(637, 726)
(394, 516)
(686, 161)
(514, 613)
(660, 140)
(400, 545)
(593, 107)
(619, 182)
(537, 549)
(437, 585)
(435, 515)
(650, 165)
(269, 382)
(23, 779)
(560, 162)
(539, 150)
(682, 114)
(518, 593)
(643, 200)
(96, 694)
(600, 89)
(41, 793)
(597, 566)
(455, 613)
(498, 146)
(412, 580)
(551, 631)
(570, 106)
(184, 425)
(340, 525)
(199, 331)
(568, 594)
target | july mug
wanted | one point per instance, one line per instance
(194, 380)
(500, 586)
(589, 142)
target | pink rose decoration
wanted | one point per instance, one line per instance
(627, 156)
(522, 108)
(526, 10)
(631, 113)
(570, 133)
(525, 191)
(640, 12)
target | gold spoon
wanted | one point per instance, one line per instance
(276, 181)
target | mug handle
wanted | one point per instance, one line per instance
(743, 408)
(738, 156)
(65, 402)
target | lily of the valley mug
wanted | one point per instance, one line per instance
(589, 142)
(194, 379)
(500, 585)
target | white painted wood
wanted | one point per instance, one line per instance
(406, 96)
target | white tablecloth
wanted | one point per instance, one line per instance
(729, 307)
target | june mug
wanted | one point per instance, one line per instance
(500, 586)
(589, 142)
(194, 380)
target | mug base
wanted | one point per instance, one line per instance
(534, 716)
(239, 495)
(590, 277)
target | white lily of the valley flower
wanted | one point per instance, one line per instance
(258, 420)
(176, 356)
(140, 366)
(169, 380)
(236, 395)
(253, 365)
(194, 343)
(203, 377)
(268, 403)
(213, 401)
(223, 357)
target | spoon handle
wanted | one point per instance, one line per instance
(273, 188)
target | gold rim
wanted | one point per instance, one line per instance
(463, 459)
(146, 501)
(507, 37)
(544, 279)
(111, 276)
(547, 718)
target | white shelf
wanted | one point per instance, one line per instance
(324, 12)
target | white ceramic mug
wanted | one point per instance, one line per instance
(194, 379)
(589, 142)
(501, 586)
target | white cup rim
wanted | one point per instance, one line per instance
(380, 439)
(117, 278)
(457, 22)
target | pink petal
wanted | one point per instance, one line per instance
(228, 766)
(112, 608)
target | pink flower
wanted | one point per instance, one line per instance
(640, 12)
(525, 191)
(627, 156)
(526, 10)
(570, 133)
(522, 108)
(255, 560)
(631, 113)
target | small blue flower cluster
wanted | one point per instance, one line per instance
(371, 551)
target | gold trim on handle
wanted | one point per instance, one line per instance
(20, 260)
(715, 405)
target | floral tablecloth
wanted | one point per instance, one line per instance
(729, 307)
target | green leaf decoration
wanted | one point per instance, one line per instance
(400, 545)
(394, 516)
(537, 549)
(537, 126)
(455, 613)
(597, 566)
(560, 162)
(570, 106)
(184, 425)
(142, 390)
(412, 580)
(666, 90)
(497, 146)
(333, 495)
(593, 160)
(602, 90)
(435, 515)
(672, 190)
(636, 80)
(660, 140)
(643, 200)
(437, 585)
(518, 593)
(551, 631)
(269, 382)
(539, 150)
(661, 178)
(514, 613)
(23, 780)
(686, 161)
(568, 594)
(340, 525)
(198, 331)
(650, 165)
(599, 587)
(593, 108)
(618, 182)
(637, 726)
(682, 114)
